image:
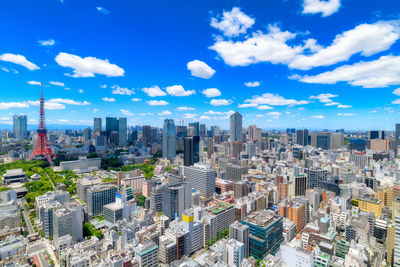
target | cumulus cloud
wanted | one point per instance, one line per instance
(57, 83)
(47, 105)
(396, 91)
(69, 102)
(211, 92)
(326, 7)
(212, 112)
(317, 117)
(184, 108)
(136, 99)
(264, 107)
(157, 103)
(80, 91)
(344, 106)
(324, 98)
(34, 83)
(332, 104)
(233, 23)
(164, 113)
(154, 91)
(178, 90)
(204, 118)
(126, 112)
(346, 114)
(382, 72)
(49, 42)
(189, 116)
(367, 39)
(9, 105)
(108, 99)
(274, 100)
(221, 102)
(88, 66)
(260, 47)
(117, 90)
(252, 84)
(247, 105)
(19, 60)
(274, 113)
(102, 10)
(200, 69)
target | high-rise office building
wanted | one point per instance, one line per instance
(302, 137)
(97, 126)
(122, 131)
(181, 131)
(196, 128)
(201, 179)
(20, 127)
(87, 134)
(98, 196)
(169, 139)
(176, 199)
(146, 136)
(376, 135)
(397, 131)
(203, 130)
(196, 149)
(68, 220)
(235, 133)
(215, 131)
(314, 176)
(337, 140)
(111, 125)
(396, 216)
(188, 151)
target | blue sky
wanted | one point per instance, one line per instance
(294, 63)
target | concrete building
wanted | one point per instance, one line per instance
(169, 139)
(314, 176)
(98, 196)
(83, 184)
(175, 199)
(240, 232)
(147, 254)
(20, 126)
(14, 176)
(122, 132)
(235, 133)
(81, 164)
(201, 178)
(302, 137)
(97, 126)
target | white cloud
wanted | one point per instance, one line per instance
(252, 84)
(117, 90)
(396, 91)
(178, 90)
(157, 103)
(5, 69)
(396, 102)
(68, 101)
(57, 83)
(264, 107)
(200, 69)
(259, 115)
(154, 91)
(108, 99)
(103, 85)
(346, 114)
(126, 112)
(332, 104)
(95, 110)
(184, 108)
(324, 98)
(221, 102)
(274, 113)
(80, 91)
(136, 99)
(9, 105)
(246, 105)
(63, 120)
(326, 7)
(102, 10)
(382, 72)
(49, 42)
(18, 59)
(212, 112)
(189, 116)
(270, 47)
(47, 105)
(233, 23)
(34, 83)
(375, 111)
(344, 106)
(164, 113)
(88, 66)
(211, 92)
(204, 118)
(274, 100)
(367, 39)
(5, 119)
(317, 117)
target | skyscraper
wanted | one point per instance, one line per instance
(122, 131)
(97, 127)
(302, 137)
(236, 127)
(20, 127)
(201, 179)
(146, 135)
(111, 125)
(196, 127)
(203, 130)
(169, 139)
(397, 131)
(188, 151)
(196, 149)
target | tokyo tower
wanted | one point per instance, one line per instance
(42, 147)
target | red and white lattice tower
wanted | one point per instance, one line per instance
(42, 147)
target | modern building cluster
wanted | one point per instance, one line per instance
(192, 195)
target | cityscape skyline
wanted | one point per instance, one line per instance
(207, 64)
